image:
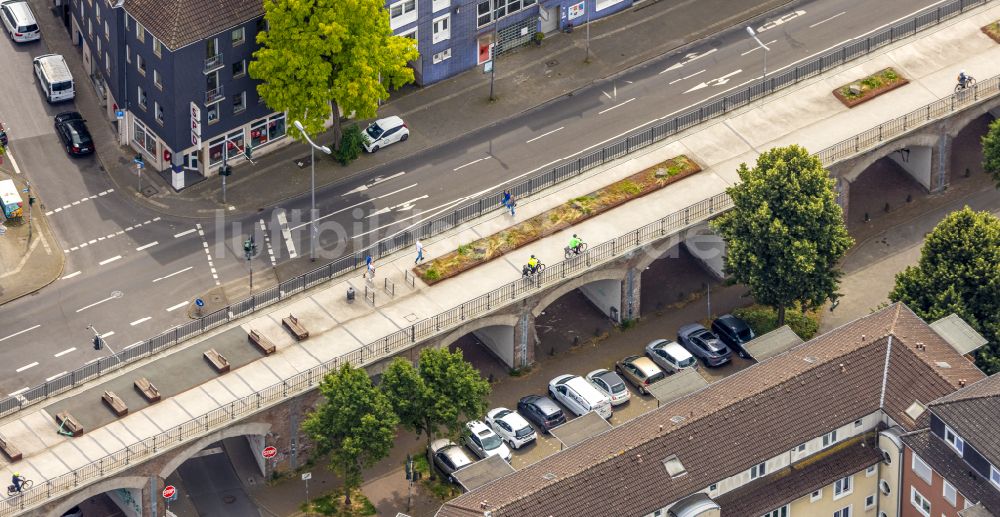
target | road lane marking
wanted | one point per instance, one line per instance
(688, 76)
(10, 156)
(267, 243)
(64, 352)
(88, 198)
(107, 334)
(335, 212)
(21, 332)
(25, 367)
(286, 233)
(56, 376)
(719, 81)
(545, 134)
(71, 275)
(756, 48)
(376, 181)
(110, 235)
(179, 235)
(178, 306)
(473, 162)
(140, 320)
(828, 19)
(687, 59)
(781, 20)
(208, 254)
(615, 106)
(174, 273)
(110, 260)
(20, 391)
(619, 135)
(81, 309)
(150, 245)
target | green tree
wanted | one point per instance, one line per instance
(786, 231)
(991, 151)
(326, 56)
(438, 395)
(959, 272)
(355, 424)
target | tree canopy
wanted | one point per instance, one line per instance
(991, 151)
(355, 424)
(959, 272)
(326, 56)
(786, 232)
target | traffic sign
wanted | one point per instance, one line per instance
(306, 476)
(119, 114)
(200, 303)
(269, 452)
(169, 491)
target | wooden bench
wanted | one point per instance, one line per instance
(69, 424)
(217, 360)
(293, 324)
(12, 452)
(147, 390)
(115, 403)
(265, 345)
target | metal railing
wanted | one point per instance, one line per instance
(214, 95)
(527, 187)
(214, 63)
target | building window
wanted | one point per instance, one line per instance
(140, 33)
(140, 64)
(267, 130)
(235, 144)
(801, 448)
(402, 13)
(713, 487)
(97, 12)
(921, 469)
(412, 34)
(758, 470)
(949, 493)
(98, 45)
(128, 54)
(157, 47)
(212, 113)
(107, 30)
(995, 475)
(816, 496)
(920, 502)
(239, 36)
(438, 5)
(142, 97)
(780, 512)
(870, 502)
(158, 112)
(442, 56)
(842, 487)
(240, 102)
(126, 21)
(870, 471)
(857, 423)
(157, 80)
(107, 62)
(830, 438)
(500, 8)
(441, 28)
(233, 141)
(90, 28)
(843, 512)
(240, 68)
(954, 440)
(142, 137)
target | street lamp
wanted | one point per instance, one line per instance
(753, 35)
(312, 165)
(99, 342)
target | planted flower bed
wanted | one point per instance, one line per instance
(993, 31)
(868, 88)
(483, 250)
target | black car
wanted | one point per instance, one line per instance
(541, 411)
(734, 332)
(72, 130)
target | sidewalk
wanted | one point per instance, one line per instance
(26, 268)
(439, 113)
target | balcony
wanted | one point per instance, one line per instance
(214, 63)
(212, 96)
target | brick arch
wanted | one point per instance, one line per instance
(956, 124)
(857, 165)
(241, 429)
(105, 485)
(506, 320)
(616, 273)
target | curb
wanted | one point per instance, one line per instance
(43, 223)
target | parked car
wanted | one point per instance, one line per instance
(670, 356)
(734, 332)
(703, 344)
(449, 457)
(641, 371)
(611, 385)
(512, 427)
(580, 396)
(484, 442)
(385, 131)
(72, 130)
(19, 21)
(541, 411)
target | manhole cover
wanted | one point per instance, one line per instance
(117, 294)
(552, 63)
(149, 191)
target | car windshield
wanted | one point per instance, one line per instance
(490, 441)
(745, 335)
(684, 363)
(374, 131)
(655, 377)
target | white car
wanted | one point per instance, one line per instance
(383, 132)
(670, 356)
(19, 21)
(611, 384)
(484, 442)
(580, 396)
(512, 427)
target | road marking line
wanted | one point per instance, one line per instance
(81, 309)
(286, 233)
(71, 275)
(74, 248)
(20, 391)
(828, 19)
(615, 106)
(110, 260)
(179, 235)
(91, 241)
(47, 379)
(50, 212)
(208, 255)
(64, 352)
(174, 273)
(107, 334)
(687, 77)
(178, 306)
(21, 332)
(25, 367)
(545, 134)
(84, 245)
(267, 243)
(772, 42)
(470, 163)
(101, 238)
(140, 320)
(75, 203)
(150, 245)
(93, 197)
(10, 156)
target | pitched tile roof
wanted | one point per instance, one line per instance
(178, 23)
(802, 478)
(972, 412)
(945, 462)
(822, 384)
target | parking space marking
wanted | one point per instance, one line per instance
(74, 203)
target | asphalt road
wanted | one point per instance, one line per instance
(131, 272)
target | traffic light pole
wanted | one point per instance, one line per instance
(99, 342)
(249, 250)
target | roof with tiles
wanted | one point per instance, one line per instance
(822, 384)
(946, 463)
(178, 23)
(972, 412)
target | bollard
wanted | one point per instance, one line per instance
(350, 294)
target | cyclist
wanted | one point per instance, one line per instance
(533, 265)
(17, 480)
(962, 79)
(574, 244)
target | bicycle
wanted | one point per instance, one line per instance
(26, 484)
(526, 271)
(969, 82)
(569, 252)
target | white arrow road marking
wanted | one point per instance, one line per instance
(687, 59)
(380, 211)
(406, 205)
(714, 82)
(781, 20)
(376, 181)
(346, 208)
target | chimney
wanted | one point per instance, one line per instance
(638, 457)
(862, 338)
(961, 383)
(843, 369)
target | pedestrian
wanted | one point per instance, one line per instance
(511, 205)
(371, 272)
(368, 267)
(505, 200)
(420, 252)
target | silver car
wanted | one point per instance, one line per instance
(448, 457)
(670, 356)
(611, 384)
(483, 441)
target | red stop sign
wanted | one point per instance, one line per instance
(169, 491)
(269, 452)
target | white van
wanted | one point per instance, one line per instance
(54, 78)
(19, 21)
(580, 396)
